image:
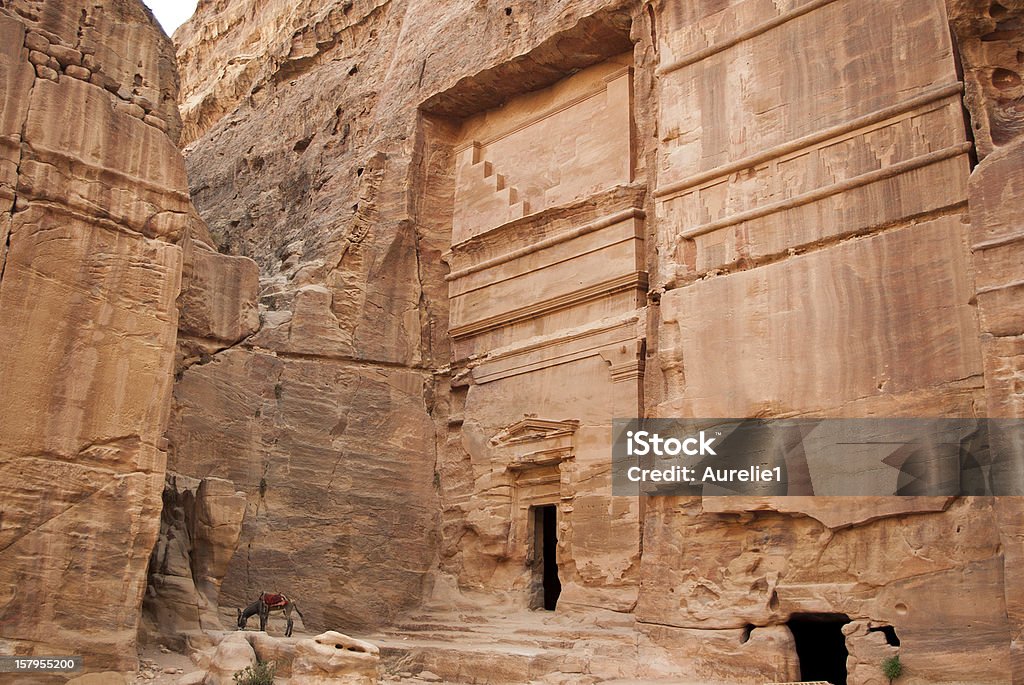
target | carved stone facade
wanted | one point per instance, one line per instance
(482, 246)
(546, 293)
(789, 228)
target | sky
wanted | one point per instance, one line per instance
(172, 13)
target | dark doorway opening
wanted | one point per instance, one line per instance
(547, 587)
(820, 646)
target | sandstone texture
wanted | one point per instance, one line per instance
(369, 351)
(199, 528)
(331, 658)
(478, 247)
(93, 206)
(96, 226)
(990, 40)
(232, 654)
(105, 678)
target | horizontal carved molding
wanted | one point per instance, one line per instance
(620, 243)
(752, 32)
(1002, 286)
(626, 362)
(828, 191)
(997, 242)
(541, 116)
(562, 338)
(549, 457)
(533, 429)
(560, 349)
(610, 200)
(921, 100)
(630, 281)
(605, 222)
(628, 372)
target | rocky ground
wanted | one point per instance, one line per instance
(161, 666)
(464, 647)
(452, 646)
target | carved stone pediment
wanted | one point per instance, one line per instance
(532, 429)
(535, 442)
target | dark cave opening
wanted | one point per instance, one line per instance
(820, 646)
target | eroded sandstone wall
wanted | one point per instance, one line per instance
(477, 247)
(322, 417)
(815, 229)
(94, 204)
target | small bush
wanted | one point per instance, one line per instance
(260, 673)
(892, 668)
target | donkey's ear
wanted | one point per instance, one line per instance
(239, 613)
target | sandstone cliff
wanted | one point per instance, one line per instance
(95, 226)
(485, 229)
(478, 232)
(93, 208)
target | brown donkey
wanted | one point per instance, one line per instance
(267, 603)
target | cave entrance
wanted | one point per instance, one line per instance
(820, 646)
(546, 585)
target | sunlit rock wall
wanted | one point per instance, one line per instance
(478, 247)
(93, 206)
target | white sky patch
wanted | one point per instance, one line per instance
(172, 13)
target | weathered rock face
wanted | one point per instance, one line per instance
(95, 227)
(199, 528)
(478, 247)
(322, 418)
(217, 304)
(231, 655)
(990, 41)
(93, 205)
(331, 456)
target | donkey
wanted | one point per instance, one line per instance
(267, 603)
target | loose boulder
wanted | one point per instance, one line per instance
(333, 658)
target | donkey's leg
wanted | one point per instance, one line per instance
(264, 615)
(288, 618)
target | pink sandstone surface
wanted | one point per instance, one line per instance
(441, 247)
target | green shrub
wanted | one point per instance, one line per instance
(892, 668)
(260, 673)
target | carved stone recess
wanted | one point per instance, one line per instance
(518, 171)
(199, 528)
(548, 275)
